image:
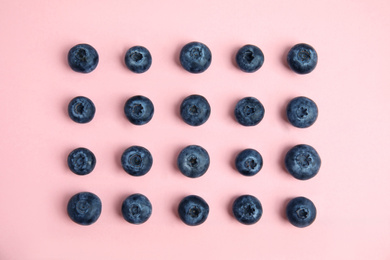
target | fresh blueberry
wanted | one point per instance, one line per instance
(193, 210)
(301, 212)
(136, 160)
(249, 162)
(195, 110)
(193, 161)
(303, 162)
(81, 161)
(247, 209)
(195, 57)
(81, 110)
(138, 59)
(136, 209)
(83, 58)
(249, 58)
(302, 58)
(139, 110)
(302, 112)
(249, 111)
(84, 208)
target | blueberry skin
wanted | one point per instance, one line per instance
(195, 57)
(81, 110)
(193, 210)
(249, 58)
(249, 162)
(136, 160)
(301, 212)
(81, 161)
(193, 161)
(302, 58)
(83, 58)
(136, 209)
(195, 110)
(249, 111)
(84, 208)
(302, 162)
(247, 209)
(302, 112)
(138, 59)
(139, 110)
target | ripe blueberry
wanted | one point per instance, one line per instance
(302, 58)
(195, 110)
(302, 112)
(136, 160)
(81, 161)
(138, 59)
(302, 161)
(301, 212)
(249, 111)
(136, 209)
(195, 57)
(83, 58)
(81, 110)
(249, 162)
(193, 161)
(247, 209)
(249, 58)
(193, 210)
(84, 208)
(139, 110)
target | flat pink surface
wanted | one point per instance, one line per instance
(350, 86)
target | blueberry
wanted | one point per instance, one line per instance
(302, 112)
(249, 162)
(81, 161)
(302, 58)
(139, 110)
(81, 110)
(301, 212)
(83, 58)
(302, 161)
(136, 160)
(138, 59)
(193, 210)
(249, 111)
(195, 57)
(136, 209)
(195, 110)
(247, 209)
(249, 58)
(193, 161)
(84, 208)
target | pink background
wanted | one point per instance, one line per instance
(350, 86)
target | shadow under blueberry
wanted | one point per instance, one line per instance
(284, 57)
(283, 206)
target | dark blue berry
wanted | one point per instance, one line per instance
(301, 212)
(193, 161)
(81, 161)
(138, 59)
(303, 162)
(302, 112)
(139, 110)
(83, 58)
(84, 208)
(81, 110)
(195, 57)
(249, 58)
(302, 58)
(136, 160)
(195, 110)
(249, 111)
(193, 210)
(247, 209)
(136, 209)
(249, 162)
